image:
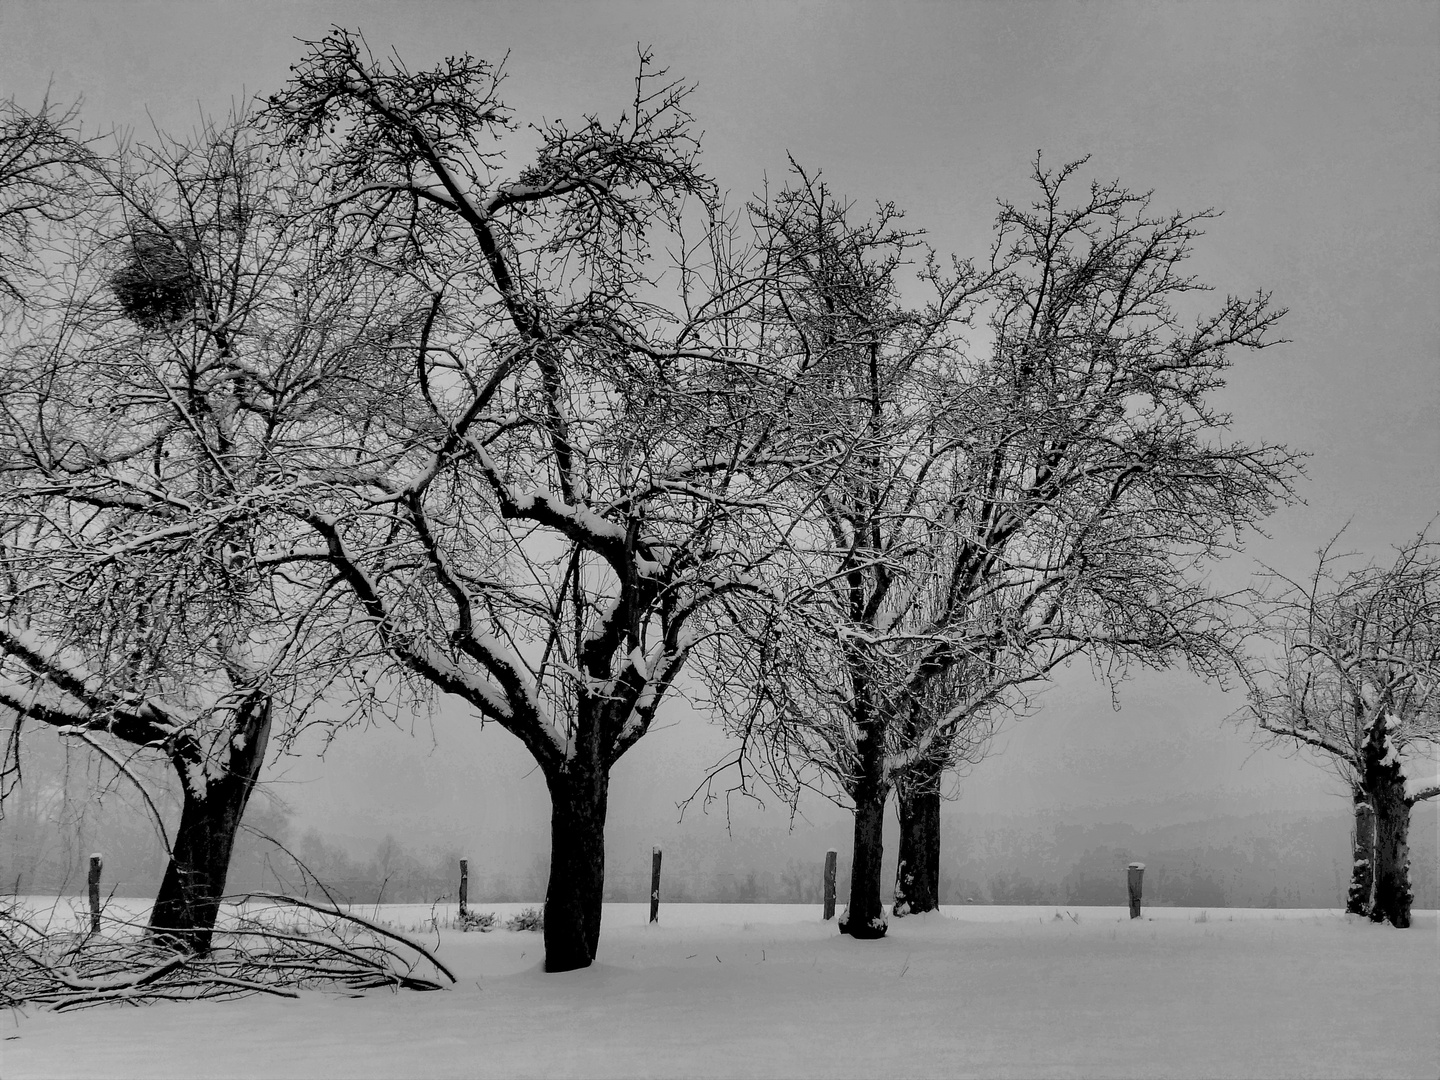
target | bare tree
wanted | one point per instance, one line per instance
(42, 165)
(1060, 493)
(1098, 484)
(551, 535)
(194, 329)
(863, 530)
(1349, 667)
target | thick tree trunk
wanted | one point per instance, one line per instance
(1382, 789)
(917, 875)
(1361, 898)
(1392, 856)
(578, 798)
(865, 915)
(189, 898)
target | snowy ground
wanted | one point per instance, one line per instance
(770, 990)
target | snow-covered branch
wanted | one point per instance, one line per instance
(1418, 791)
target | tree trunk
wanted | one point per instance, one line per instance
(1383, 789)
(578, 798)
(917, 875)
(1361, 898)
(189, 898)
(1392, 856)
(865, 915)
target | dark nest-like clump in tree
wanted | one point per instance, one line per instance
(156, 285)
(273, 945)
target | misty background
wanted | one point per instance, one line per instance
(1314, 128)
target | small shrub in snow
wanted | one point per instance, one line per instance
(529, 919)
(483, 921)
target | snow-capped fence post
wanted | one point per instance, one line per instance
(464, 885)
(96, 862)
(830, 857)
(1134, 872)
(655, 884)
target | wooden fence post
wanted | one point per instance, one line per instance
(464, 885)
(95, 863)
(1133, 873)
(830, 884)
(655, 884)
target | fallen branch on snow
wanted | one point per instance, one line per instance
(280, 946)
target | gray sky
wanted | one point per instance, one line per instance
(1314, 127)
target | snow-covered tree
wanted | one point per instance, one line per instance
(589, 436)
(191, 332)
(1098, 483)
(1057, 491)
(1348, 666)
(863, 532)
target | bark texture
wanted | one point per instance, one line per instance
(578, 799)
(917, 875)
(189, 898)
(1362, 868)
(865, 915)
(1381, 789)
(1392, 856)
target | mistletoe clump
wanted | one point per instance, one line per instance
(156, 286)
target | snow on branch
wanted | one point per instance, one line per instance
(62, 667)
(62, 692)
(1418, 791)
(264, 944)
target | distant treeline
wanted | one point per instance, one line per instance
(1250, 861)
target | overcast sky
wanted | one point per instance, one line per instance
(1315, 128)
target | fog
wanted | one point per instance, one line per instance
(1311, 126)
(1077, 775)
(1051, 816)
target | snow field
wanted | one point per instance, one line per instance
(770, 990)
